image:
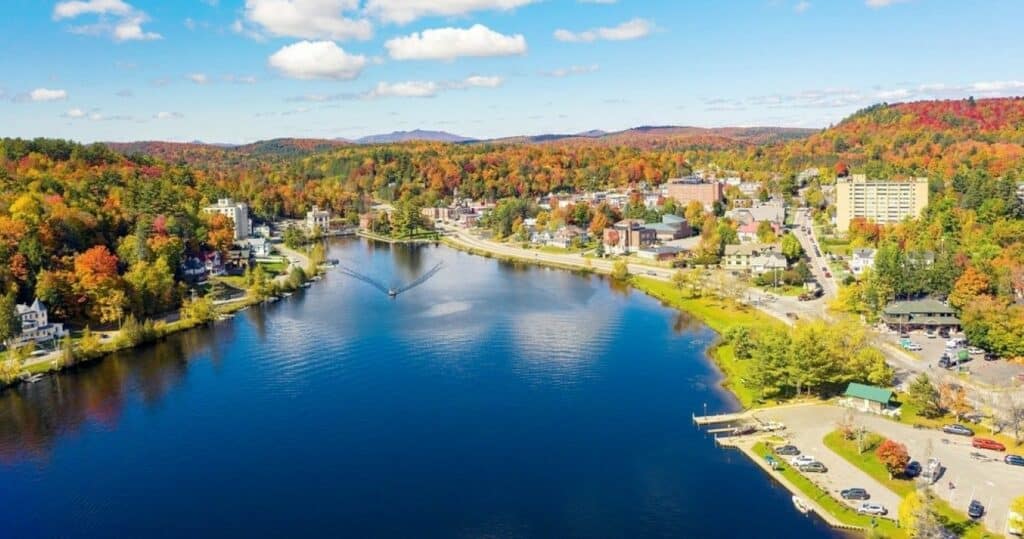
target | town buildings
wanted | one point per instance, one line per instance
(920, 314)
(878, 201)
(35, 325)
(686, 190)
(861, 260)
(237, 213)
(755, 258)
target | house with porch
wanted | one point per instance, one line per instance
(35, 325)
(920, 314)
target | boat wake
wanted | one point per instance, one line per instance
(392, 291)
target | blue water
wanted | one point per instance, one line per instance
(492, 401)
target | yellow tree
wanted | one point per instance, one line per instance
(969, 286)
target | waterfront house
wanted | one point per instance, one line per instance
(753, 257)
(317, 219)
(213, 263)
(366, 221)
(920, 314)
(35, 325)
(862, 259)
(871, 399)
(259, 247)
(564, 236)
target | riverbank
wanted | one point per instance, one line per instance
(432, 237)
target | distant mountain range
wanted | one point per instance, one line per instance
(417, 135)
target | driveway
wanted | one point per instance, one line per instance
(993, 483)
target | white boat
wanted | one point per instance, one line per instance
(801, 505)
(287, 294)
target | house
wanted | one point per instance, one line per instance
(920, 314)
(862, 259)
(262, 231)
(773, 212)
(237, 213)
(872, 399)
(628, 236)
(317, 219)
(213, 263)
(366, 221)
(193, 269)
(564, 236)
(259, 247)
(659, 252)
(35, 325)
(748, 232)
(753, 257)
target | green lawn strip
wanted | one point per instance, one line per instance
(911, 415)
(839, 510)
(867, 462)
(719, 316)
(273, 268)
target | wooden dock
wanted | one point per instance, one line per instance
(705, 420)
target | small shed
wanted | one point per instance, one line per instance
(868, 398)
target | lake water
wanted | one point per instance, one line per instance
(492, 401)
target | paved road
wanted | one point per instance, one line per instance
(992, 483)
(816, 263)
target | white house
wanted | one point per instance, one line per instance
(861, 260)
(317, 218)
(237, 213)
(36, 326)
(259, 247)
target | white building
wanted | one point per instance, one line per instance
(861, 260)
(237, 213)
(317, 218)
(36, 326)
(259, 247)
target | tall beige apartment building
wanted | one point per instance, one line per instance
(878, 201)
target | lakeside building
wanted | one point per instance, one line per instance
(236, 212)
(35, 325)
(628, 236)
(259, 247)
(686, 190)
(566, 235)
(920, 314)
(861, 260)
(317, 218)
(659, 253)
(878, 201)
(870, 399)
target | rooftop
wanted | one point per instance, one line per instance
(926, 306)
(866, 392)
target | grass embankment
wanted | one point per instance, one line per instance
(839, 510)
(459, 246)
(867, 462)
(416, 237)
(719, 315)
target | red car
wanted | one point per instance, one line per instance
(985, 443)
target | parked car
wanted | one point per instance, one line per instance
(980, 457)
(800, 460)
(913, 347)
(913, 469)
(958, 430)
(1014, 460)
(975, 351)
(855, 494)
(868, 508)
(985, 443)
(945, 363)
(975, 509)
(813, 467)
(787, 450)
(930, 333)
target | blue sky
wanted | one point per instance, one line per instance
(244, 70)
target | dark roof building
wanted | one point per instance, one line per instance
(920, 314)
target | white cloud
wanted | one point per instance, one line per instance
(404, 11)
(996, 86)
(477, 81)
(597, 1)
(198, 78)
(127, 25)
(317, 60)
(452, 43)
(167, 116)
(801, 7)
(632, 29)
(240, 79)
(571, 70)
(404, 89)
(46, 94)
(882, 3)
(307, 19)
(75, 114)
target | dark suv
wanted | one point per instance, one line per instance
(855, 494)
(975, 510)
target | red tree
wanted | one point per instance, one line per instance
(894, 456)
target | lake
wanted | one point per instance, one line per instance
(494, 400)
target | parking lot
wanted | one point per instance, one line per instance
(998, 373)
(993, 482)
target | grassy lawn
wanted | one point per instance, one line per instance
(719, 316)
(784, 290)
(867, 462)
(274, 268)
(846, 515)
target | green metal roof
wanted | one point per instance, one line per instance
(918, 307)
(871, 393)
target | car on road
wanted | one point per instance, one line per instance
(855, 494)
(975, 351)
(986, 443)
(1014, 460)
(945, 363)
(787, 450)
(958, 430)
(800, 460)
(980, 457)
(813, 467)
(975, 509)
(913, 469)
(913, 347)
(868, 508)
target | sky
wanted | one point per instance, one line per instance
(236, 71)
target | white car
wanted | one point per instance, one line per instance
(868, 508)
(914, 347)
(800, 460)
